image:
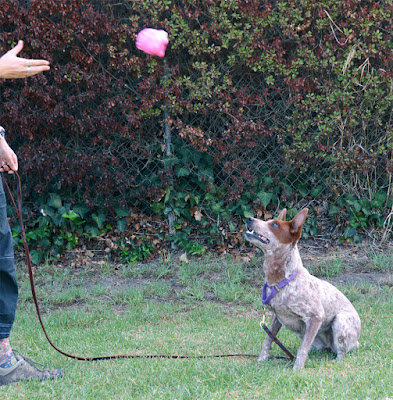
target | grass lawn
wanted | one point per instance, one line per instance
(205, 307)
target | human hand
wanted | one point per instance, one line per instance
(12, 66)
(8, 159)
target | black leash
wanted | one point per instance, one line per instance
(275, 340)
(18, 208)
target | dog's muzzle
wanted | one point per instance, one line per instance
(252, 235)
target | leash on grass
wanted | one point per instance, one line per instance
(18, 208)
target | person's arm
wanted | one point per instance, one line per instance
(8, 159)
(12, 66)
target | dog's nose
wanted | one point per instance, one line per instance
(249, 223)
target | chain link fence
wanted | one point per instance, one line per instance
(241, 121)
(146, 172)
(161, 161)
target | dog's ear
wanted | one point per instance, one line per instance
(282, 215)
(297, 223)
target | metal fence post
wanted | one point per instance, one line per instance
(168, 151)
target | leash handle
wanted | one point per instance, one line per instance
(18, 208)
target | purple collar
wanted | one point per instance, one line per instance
(275, 288)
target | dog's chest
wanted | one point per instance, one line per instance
(289, 319)
(296, 302)
(305, 298)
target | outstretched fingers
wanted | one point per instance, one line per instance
(17, 49)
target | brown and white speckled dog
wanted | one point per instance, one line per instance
(312, 308)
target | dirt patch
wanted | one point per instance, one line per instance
(358, 263)
(369, 278)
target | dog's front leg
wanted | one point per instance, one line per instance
(267, 343)
(312, 327)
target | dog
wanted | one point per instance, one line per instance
(315, 310)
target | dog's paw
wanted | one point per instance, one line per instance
(263, 357)
(298, 365)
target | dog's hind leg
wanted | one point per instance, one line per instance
(346, 331)
(275, 326)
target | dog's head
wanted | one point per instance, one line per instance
(268, 235)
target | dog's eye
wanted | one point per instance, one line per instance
(274, 224)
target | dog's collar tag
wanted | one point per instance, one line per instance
(275, 288)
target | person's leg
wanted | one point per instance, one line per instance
(8, 286)
(13, 368)
(7, 356)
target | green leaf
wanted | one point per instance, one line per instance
(167, 210)
(121, 225)
(92, 231)
(99, 219)
(315, 192)
(349, 231)
(356, 206)
(36, 256)
(157, 207)
(232, 227)
(265, 197)
(380, 199)
(270, 80)
(58, 241)
(167, 195)
(216, 208)
(71, 215)
(31, 235)
(58, 220)
(302, 189)
(121, 212)
(333, 210)
(209, 197)
(45, 243)
(54, 201)
(183, 172)
(81, 210)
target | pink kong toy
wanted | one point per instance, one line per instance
(152, 41)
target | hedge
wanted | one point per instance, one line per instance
(268, 104)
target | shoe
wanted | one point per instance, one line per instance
(26, 369)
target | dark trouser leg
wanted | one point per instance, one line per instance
(8, 285)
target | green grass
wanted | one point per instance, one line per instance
(381, 262)
(202, 308)
(329, 268)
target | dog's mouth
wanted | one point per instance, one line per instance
(253, 235)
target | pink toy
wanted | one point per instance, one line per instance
(152, 41)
